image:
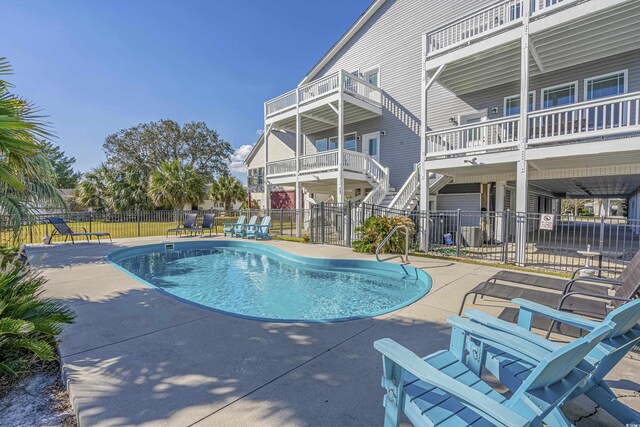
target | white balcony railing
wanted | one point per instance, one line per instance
(601, 118)
(323, 87)
(597, 118)
(486, 21)
(499, 133)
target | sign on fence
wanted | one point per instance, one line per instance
(546, 222)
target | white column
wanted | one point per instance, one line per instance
(340, 185)
(267, 189)
(522, 177)
(500, 194)
(298, 189)
(424, 174)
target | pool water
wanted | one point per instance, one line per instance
(258, 281)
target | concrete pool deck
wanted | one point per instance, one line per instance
(136, 356)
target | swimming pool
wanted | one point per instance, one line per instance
(262, 282)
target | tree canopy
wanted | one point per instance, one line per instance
(174, 185)
(227, 190)
(148, 145)
(66, 177)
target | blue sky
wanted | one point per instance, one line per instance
(99, 66)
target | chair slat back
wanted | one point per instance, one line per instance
(60, 225)
(630, 279)
(624, 318)
(557, 365)
(189, 220)
(207, 220)
(266, 221)
(241, 219)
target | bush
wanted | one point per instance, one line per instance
(28, 323)
(376, 228)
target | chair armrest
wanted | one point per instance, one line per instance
(529, 308)
(508, 327)
(597, 280)
(606, 270)
(590, 294)
(475, 400)
(85, 229)
(508, 342)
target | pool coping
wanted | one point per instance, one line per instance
(282, 254)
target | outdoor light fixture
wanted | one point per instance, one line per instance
(454, 121)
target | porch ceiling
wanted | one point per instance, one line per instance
(609, 32)
(324, 117)
(594, 186)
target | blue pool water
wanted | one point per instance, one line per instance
(259, 281)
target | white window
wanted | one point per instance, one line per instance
(512, 104)
(605, 85)
(325, 144)
(371, 144)
(556, 96)
(372, 76)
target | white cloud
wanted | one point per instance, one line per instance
(237, 167)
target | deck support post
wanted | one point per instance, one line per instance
(340, 184)
(522, 175)
(298, 196)
(267, 190)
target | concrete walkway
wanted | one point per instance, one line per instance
(138, 357)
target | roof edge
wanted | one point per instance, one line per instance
(366, 15)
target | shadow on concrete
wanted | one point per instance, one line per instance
(141, 357)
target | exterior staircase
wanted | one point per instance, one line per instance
(408, 196)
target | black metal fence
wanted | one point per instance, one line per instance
(560, 243)
(142, 223)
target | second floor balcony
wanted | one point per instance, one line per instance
(317, 103)
(606, 118)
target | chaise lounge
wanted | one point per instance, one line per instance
(188, 224)
(61, 227)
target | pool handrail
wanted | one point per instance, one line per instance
(406, 244)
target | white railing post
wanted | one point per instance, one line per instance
(340, 185)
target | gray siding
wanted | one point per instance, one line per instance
(392, 39)
(443, 105)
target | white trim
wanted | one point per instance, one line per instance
(624, 72)
(483, 114)
(373, 8)
(574, 84)
(504, 103)
(366, 150)
(367, 70)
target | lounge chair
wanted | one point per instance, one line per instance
(260, 231)
(241, 230)
(230, 227)
(62, 228)
(618, 342)
(208, 223)
(441, 390)
(188, 224)
(587, 296)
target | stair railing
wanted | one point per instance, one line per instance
(406, 244)
(408, 190)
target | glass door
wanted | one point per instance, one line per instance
(371, 144)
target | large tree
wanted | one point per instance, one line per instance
(227, 190)
(148, 145)
(66, 177)
(106, 188)
(174, 185)
(27, 178)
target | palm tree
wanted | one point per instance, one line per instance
(227, 190)
(27, 178)
(93, 189)
(174, 185)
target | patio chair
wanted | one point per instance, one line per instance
(260, 231)
(618, 342)
(188, 224)
(441, 390)
(230, 227)
(208, 223)
(588, 296)
(61, 227)
(241, 230)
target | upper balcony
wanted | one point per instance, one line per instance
(583, 122)
(483, 49)
(317, 103)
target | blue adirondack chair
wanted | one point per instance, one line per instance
(230, 227)
(260, 231)
(442, 390)
(620, 340)
(241, 230)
